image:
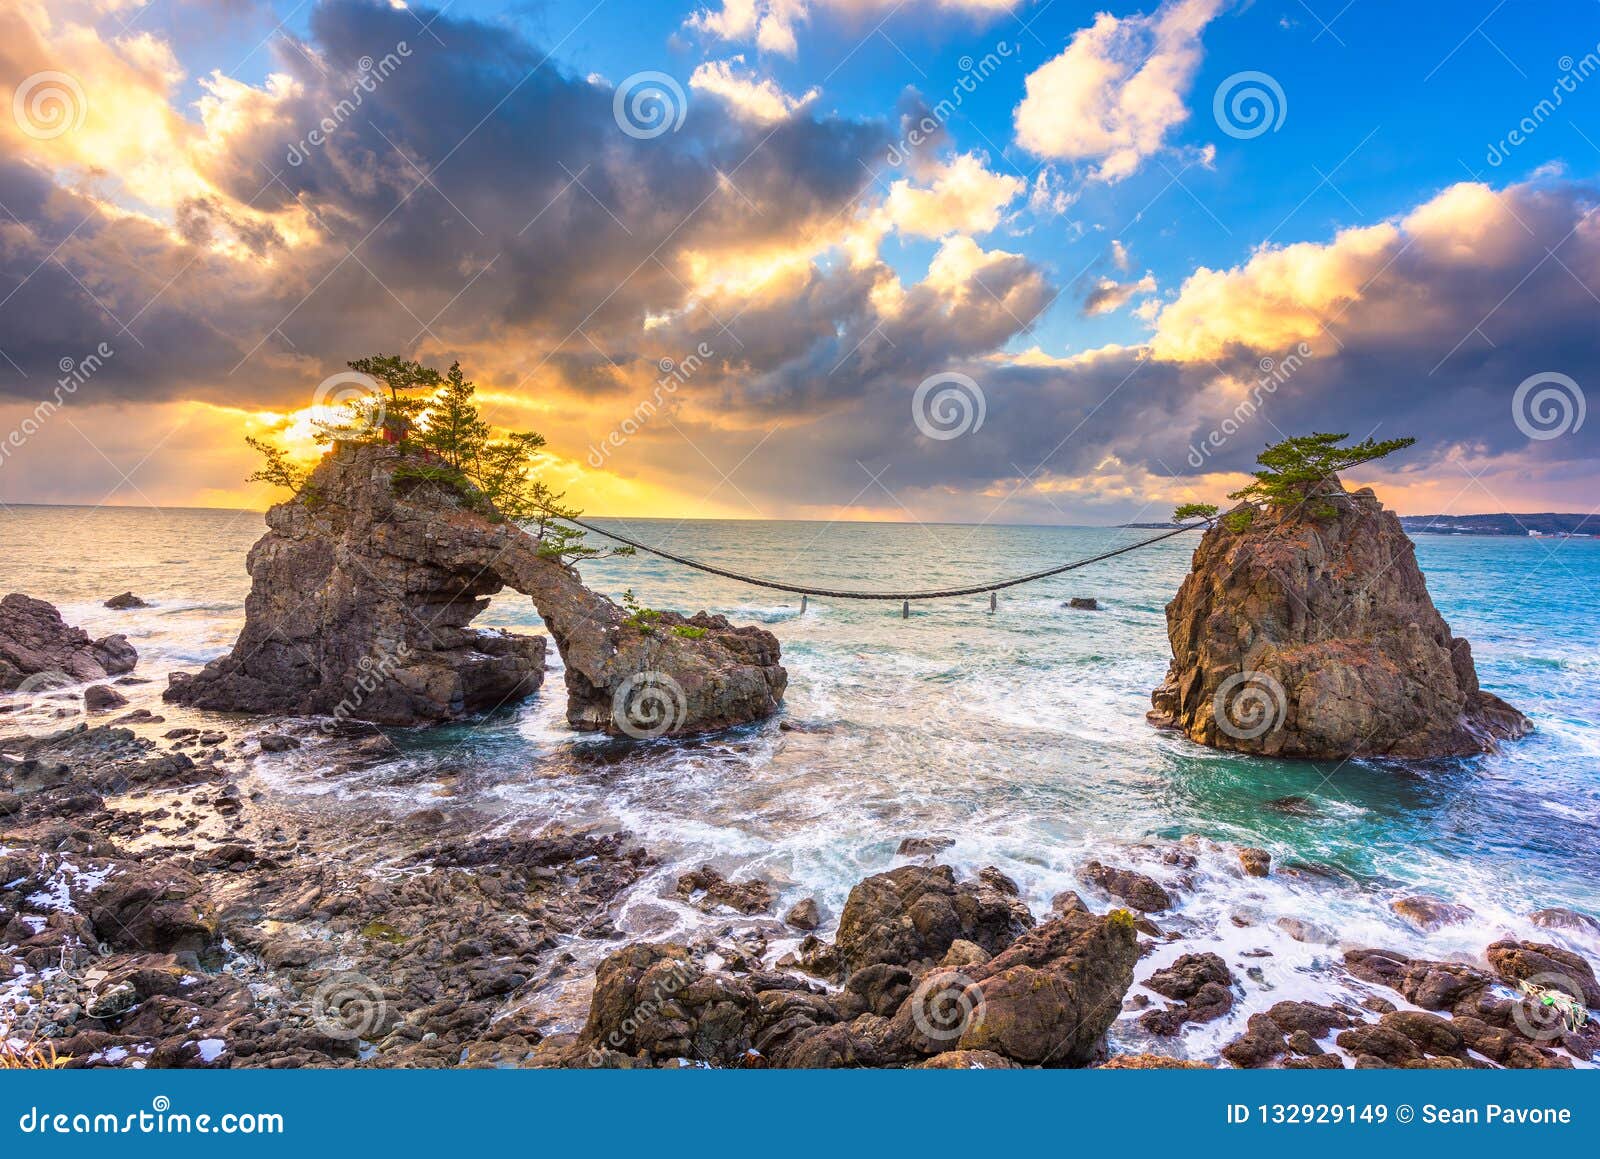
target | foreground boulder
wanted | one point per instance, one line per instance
(1313, 635)
(35, 641)
(937, 973)
(362, 595)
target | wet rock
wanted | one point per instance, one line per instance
(1152, 1062)
(1260, 1045)
(924, 846)
(658, 1001)
(1310, 1018)
(361, 605)
(124, 601)
(746, 897)
(969, 1060)
(1057, 1012)
(1430, 985)
(1083, 604)
(914, 913)
(1379, 1041)
(1256, 862)
(804, 915)
(1311, 634)
(272, 742)
(35, 641)
(1547, 965)
(1430, 1033)
(1201, 982)
(1303, 931)
(102, 698)
(1430, 913)
(1556, 918)
(1293, 807)
(1136, 889)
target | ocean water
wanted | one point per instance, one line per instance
(1020, 734)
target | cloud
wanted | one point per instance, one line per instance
(771, 24)
(963, 196)
(1117, 89)
(1108, 295)
(757, 99)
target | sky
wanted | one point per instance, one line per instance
(1013, 261)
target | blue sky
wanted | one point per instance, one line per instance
(1085, 239)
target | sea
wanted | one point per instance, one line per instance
(1019, 734)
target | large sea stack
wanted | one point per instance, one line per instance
(1310, 633)
(362, 596)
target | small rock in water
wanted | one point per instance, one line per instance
(1557, 918)
(1308, 932)
(1429, 913)
(924, 846)
(1083, 604)
(804, 915)
(1136, 889)
(1293, 806)
(102, 698)
(126, 600)
(272, 742)
(1256, 862)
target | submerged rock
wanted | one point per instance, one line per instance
(1311, 637)
(35, 641)
(362, 595)
(125, 601)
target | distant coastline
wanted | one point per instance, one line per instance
(1543, 524)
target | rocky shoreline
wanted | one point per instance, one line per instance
(162, 905)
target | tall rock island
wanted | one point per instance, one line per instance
(363, 591)
(1310, 633)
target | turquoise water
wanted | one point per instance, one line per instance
(1021, 734)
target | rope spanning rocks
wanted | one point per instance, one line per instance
(364, 589)
(1312, 635)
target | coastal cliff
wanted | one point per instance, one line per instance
(1309, 632)
(362, 595)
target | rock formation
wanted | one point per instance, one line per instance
(362, 595)
(1314, 636)
(35, 641)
